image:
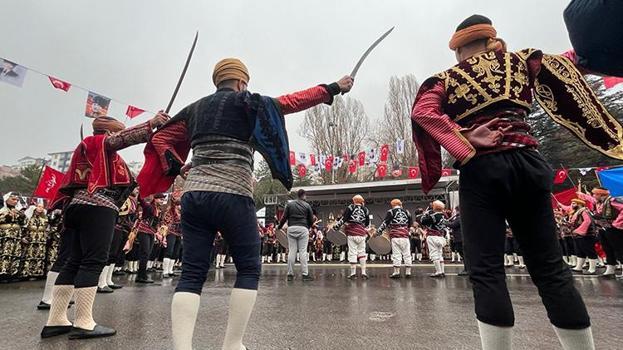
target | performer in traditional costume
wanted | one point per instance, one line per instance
(173, 238)
(434, 221)
(584, 235)
(97, 183)
(125, 222)
(55, 220)
(609, 219)
(476, 110)
(12, 218)
(223, 129)
(456, 239)
(398, 220)
(149, 223)
(512, 251)
(34, 243)
(356, 217)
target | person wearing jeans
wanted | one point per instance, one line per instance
(300, 217)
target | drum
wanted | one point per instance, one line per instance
(336, 237)
(282, 238)
(381, 245)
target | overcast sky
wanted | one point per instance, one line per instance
(133, 51)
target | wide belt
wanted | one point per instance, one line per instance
(209, 161)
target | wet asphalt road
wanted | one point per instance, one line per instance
(329, 313)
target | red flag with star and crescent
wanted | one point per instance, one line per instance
(328, 163)
(362, 158)
(292, 158)
(414, 172)
(446, 172)
(302, 170)
(59, 84)
(384, 153)
(381, 170)
(561, 176)
(352, 166)
(312, 159)
(49, 183)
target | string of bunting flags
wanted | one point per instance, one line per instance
(372, 158)
(96, 104)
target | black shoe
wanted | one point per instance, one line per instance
(408, 275)
(586, 273)
(394, 276)
(144, 280)
(119, 273)
(106, 289)
(173, 274)
(463, 273)
(607, 277)
(115, 286)
(166, 275)
(352, 277)
(364, 276)
(307, 278)
(97, 332)
(43, 306)
(52, 331)
(436, 275)
(290, 278)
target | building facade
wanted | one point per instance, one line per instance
(60, 160)
(29, 161)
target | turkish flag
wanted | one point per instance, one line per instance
(561, 176)
(610, 82)
(413, 172)
(352, 166)
(133, 112)
(292, 158)
(328, 163)
(384, 153)
(302, 170)
(564, 197)
(446, 172)
(49, 183)
(312, 159)
(59, 84)
(381, 170)
(362, 158)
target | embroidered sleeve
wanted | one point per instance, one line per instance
(129, 137)
(428, 113)
(302, 100)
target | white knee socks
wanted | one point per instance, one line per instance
(184, 309)
(240, 307)
(103, 275)
(49, 286)
(84, 307)
(609, 271)
(575, 339)
(494, 337)
(61, 295)
(592, 265)
(437, 264)
(111, 269)
(362, 263)
(353, 269)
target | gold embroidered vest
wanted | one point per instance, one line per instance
(485, 80)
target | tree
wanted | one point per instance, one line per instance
(396, 122)
(265, 184)
(336, 130)
(562, 148)
(25, 182)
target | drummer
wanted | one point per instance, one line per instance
(357, 219)
(398, 220)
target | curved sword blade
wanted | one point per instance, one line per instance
(365, 54)
(179, 82)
